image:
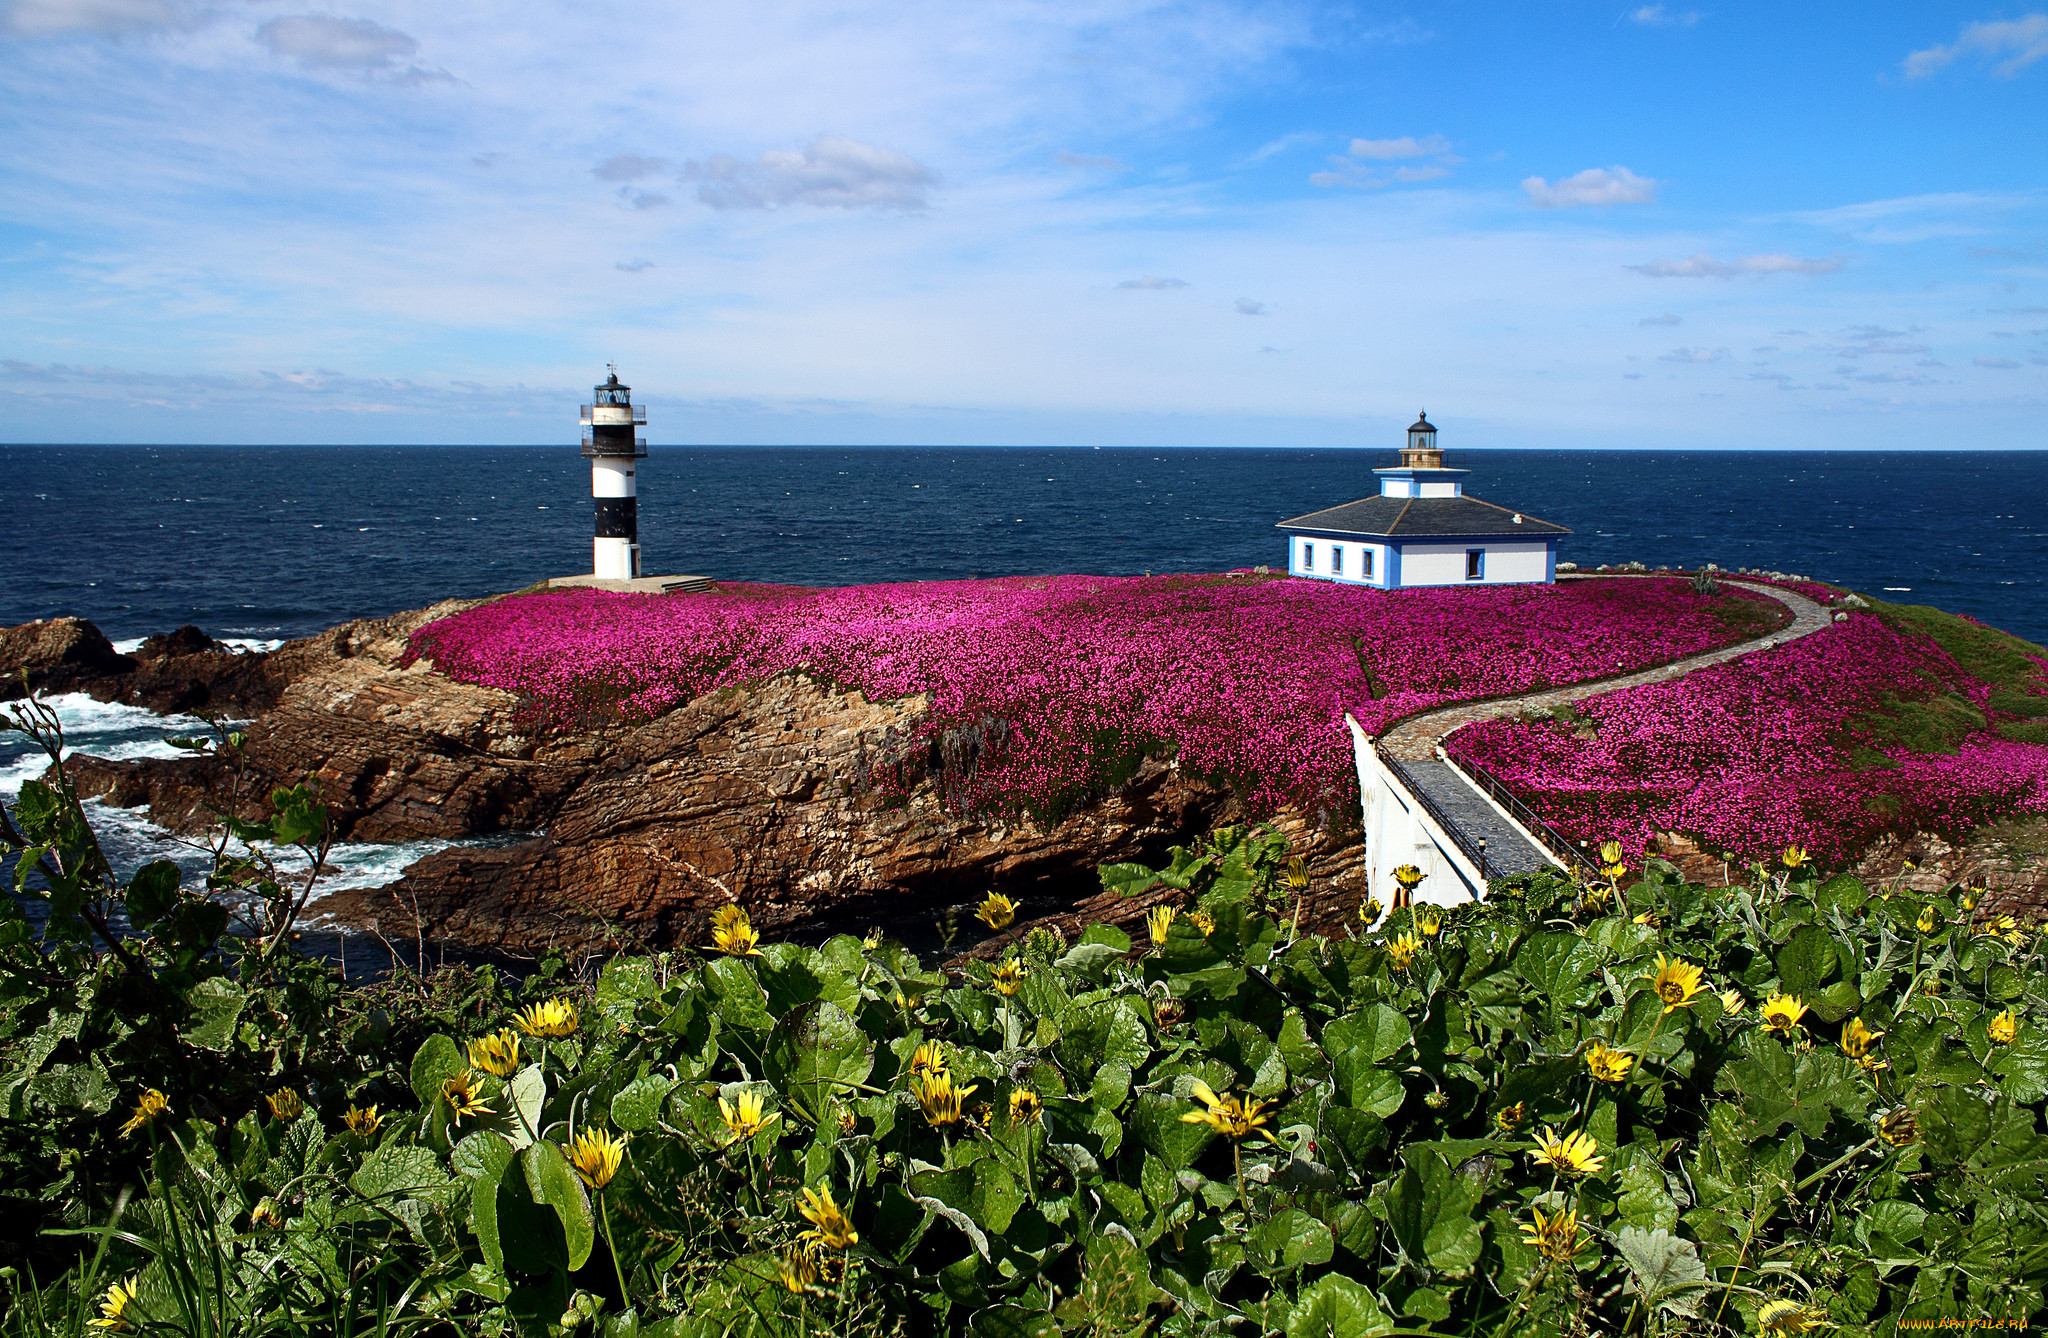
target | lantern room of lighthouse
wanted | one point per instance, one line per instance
(613, 449)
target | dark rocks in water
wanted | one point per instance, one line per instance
(59, 655)
(183, 671)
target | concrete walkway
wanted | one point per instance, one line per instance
(1411, 746)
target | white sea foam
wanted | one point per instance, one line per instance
(129, 645)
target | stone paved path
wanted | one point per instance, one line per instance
(1411, 745)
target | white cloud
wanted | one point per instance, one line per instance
(1668, 318)
(1091, 160)
(1657, 16)
(1294, 140)
(628, 167)
(320, 42)
(106, 18)
(1704, 266)
(1357, 168)
(633, 266)
(1693, 355)
(831, 172)
(2013, 43)
(1594, 186)
(1381, 150)
(1247, 307)
(2003, 364)
(1154, 282)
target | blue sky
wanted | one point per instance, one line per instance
(1107, 222)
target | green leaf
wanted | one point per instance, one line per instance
(436, 1061)
(1104, 1030)
(397, 1171)
(638, 1104)
(1355, 1045)
(1107, 935)
(551, 1181)
(985, 1191)
(1430, 1212)
(1664, 1271)
(2023, 1065)
(1336, 1307)
(151, 894)
(216, 1004)
(1126, 880)
(1291, 1239)
(816, 1053)
(1806, 960)
(1155, 1120)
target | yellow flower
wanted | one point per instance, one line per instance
(1794, 857)
(1571, 1154)
(940, 1100)
(1676, 981)
(497, 1054)
(1898, 1127)
(1403, 949)
(797, 1267)
(1509, 1118)
(847, 1123)
(929, 1057)
(1555, 1235)
(1857, 1038)
(743, 1119)
(871, 940)
(1968, 901)
(996, 911)
(1233, 1117)
(1429, 920)
(1025, 1107)
(1648, 918)
(1781, 1013)
(1608, 1065)
(464, 1094)
(556, 1017)
(1928, 921)
(1203, 921)
(1157, 922)
(597, 1156)
(265, 1216)
(1369, 909)
(1610, 852)
(1008, 977)
(285, 1105)
(732, 933)
(149, 1107)
(114, 1308)
(1408, 876)
(1787, 1319)
(361, 1120)
(1732, 1002)
(2004, 1028)
(830, 1225)
(1297, 873)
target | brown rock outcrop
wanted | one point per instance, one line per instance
(59, 655)
(181, 671)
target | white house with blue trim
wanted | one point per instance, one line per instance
(1422, 530)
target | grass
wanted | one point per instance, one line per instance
(1939, 724)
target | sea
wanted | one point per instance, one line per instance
(257, 544)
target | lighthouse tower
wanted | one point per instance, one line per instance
(612, 448)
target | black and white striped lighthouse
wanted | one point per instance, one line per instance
(612, 449)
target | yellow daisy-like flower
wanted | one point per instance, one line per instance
(1858, 1038)
(1402, 949)
(151, 1106)
(939, 1099)
(1569, 1154)
(2004, 1028)
(1794, 857)
(830, 1224)
(871, 940)
(554, 1018)
(1610, 852)
(1781, 1013)
(1968, 901)
(743, 1117)
(848, 1124)
(1608, 1065)
(732, 933)
(1008, 977)
(1297, 873)
(1158, 921)
(1408, 876)
(1429, 920)
(1732, 1002)
(114, 1317)
(1025, 1107)
(797, 1267)
(929, 1057)
(1369, 909)
(496, 1054)
(465, 1095)
(265, 1216)
(1788, 1319)
(361, 1121)
(1233, 1117)
(996, 911)
(1555, 1235)
(1676, 981)
(285, 1105)
(1203, 921)
(597, 1156)
(1928, 921)
(1509, 1118)
(1898, 1127)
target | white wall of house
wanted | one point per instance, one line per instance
(1319, 557)
(1420, 488)
(1507, 562)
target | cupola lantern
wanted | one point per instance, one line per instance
(611, 446)
(1422, 452)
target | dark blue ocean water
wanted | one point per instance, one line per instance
(282, 541)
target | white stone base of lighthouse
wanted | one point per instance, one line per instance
(614, 559)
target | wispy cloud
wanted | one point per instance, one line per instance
(1693, 355)
(1668, 318)
(2001, 364)
(2007, 45)
(831, 172)
(1594, 186)
(1659, 16)
(633, 266)
(1407, 146)
(107, 18)
(1271, 147)
(357, 46)
(628, 167)
(1247, 307)
(1154, 282)
(1099, 163)
(1704, 266)
(1360, 166)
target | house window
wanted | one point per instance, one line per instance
(1475, 564)
(1336, 559)
(1308, 557)
(1365, 563)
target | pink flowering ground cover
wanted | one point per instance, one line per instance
(1866, 727)
(1045, 691)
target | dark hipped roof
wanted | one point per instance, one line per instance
(1423, 518)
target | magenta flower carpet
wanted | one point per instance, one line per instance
(1045, 691)
(1784, 746)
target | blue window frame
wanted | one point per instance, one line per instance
(1308, 557)
(1336, 559)
(1365, 563)
(1475, 564)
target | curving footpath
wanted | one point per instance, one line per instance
(1411, 747)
